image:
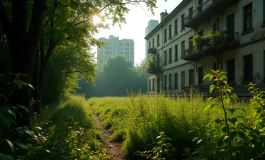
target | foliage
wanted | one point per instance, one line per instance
(137, 119)
(202, 42)
(117, 76)
(162, 149)
(66, 131)
(236, 135)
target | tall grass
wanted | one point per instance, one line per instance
(66, 131)
(138, 119)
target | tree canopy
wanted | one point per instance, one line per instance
(117, 77)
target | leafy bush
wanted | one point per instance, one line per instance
(237, 134)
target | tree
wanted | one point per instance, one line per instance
(117, 77)
(35, 28)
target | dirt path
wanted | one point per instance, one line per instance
(113, 149)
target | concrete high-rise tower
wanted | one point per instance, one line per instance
(114, 46)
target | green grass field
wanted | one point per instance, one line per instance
(66, 131)
(138, 119)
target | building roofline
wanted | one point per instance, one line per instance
(171, 14)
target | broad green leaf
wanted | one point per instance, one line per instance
(232, 120)
(211, 88)
(13, 113)
(227, 100)
(206, 107)
(28, 85)
(22, 107)
(21, 145)
(195, 138)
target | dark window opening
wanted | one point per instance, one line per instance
(169, 32)
(191, 77)
(170, 81)
(176, 80)
(248, 68)
(182, 49)
(176, 27)
(182, 79)
(165, 80)
(165, 57)
(165, 35)
(247, 17)
(176, 52)
(170, 55)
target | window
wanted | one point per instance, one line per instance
(165, 35)
(182, 49)
(169, 32)
(247, 17)
(176, 52)
(216, 25)
(157, 43)
(157, 60)
(153, 84)
(165, 57)
(149, 85)
(170, 81)
(153, 43)
(170, 55)
(149, 45)
(176, 27)
(182, 22)
(165, 80)
(191, 77)
(200, 75)
(248, 68)
(176, 80)
(182, 79)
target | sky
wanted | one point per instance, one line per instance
(137, 20)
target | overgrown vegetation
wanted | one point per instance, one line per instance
(63, 131)
(137, 120)
(223, 128)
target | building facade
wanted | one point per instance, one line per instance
(114, 46)
(151, 25)
(201, 35)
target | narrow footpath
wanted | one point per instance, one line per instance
(113, 149)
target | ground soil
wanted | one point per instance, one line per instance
(113, 148)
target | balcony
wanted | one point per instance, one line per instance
(154, 70)
(152, 50)
(205, 11)
(211, 45)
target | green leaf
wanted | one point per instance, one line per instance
(195, 138)
(227, 99)
(21, 145)
(199, 141)
(22, 107)
(13, 113)
(29, 85)
(241, 134)
(11, 145)
(207, 76)
(230, 111)
(3, 96)
(211, 88)
(19, 84)
(206, 107)
(232, 120)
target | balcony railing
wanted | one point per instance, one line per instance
(206, 10)
(154, 70)
(152, 50)
(225, 41)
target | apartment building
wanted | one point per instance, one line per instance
(201, 35)
(114, 46)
